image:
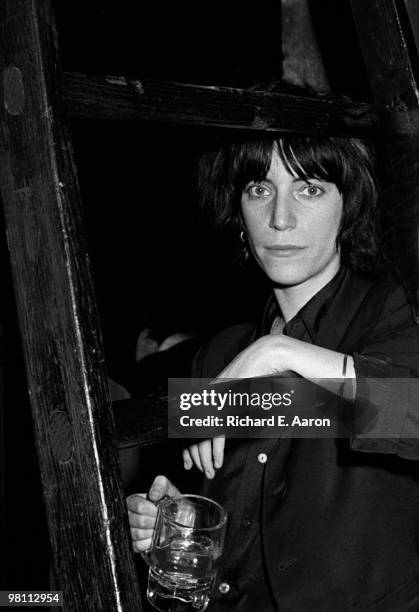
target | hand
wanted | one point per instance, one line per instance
(262, 357)
(207, 455)
(142, 511)
(267, 355)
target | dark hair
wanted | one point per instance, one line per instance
(224, 173)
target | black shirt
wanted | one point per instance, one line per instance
(325, 524)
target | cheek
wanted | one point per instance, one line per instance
(253, 224)
(327, 227)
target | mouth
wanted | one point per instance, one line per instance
(284, 250)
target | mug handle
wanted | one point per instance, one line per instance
(145, 554)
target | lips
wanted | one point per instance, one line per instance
(284, 250)
(284, 247)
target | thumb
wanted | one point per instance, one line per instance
(160, 487)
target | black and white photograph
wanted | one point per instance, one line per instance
(209, 322)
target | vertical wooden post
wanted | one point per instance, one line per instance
(73, 425)
(388, 55)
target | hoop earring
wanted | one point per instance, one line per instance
(245, 247)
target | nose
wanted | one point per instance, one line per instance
(283, 214)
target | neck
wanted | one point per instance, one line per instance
(292, 298)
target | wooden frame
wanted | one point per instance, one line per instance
(122, 98)
(74, 428)
(391, 59)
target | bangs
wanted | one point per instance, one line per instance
(318, 158)
(250, 162)
(326, 159)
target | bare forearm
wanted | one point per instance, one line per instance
(312, 361)
(272, 355)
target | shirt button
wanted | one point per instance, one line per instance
(262, 458)
(224, 587)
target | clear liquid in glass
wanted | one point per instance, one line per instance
(182, 572)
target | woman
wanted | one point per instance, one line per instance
(315, 524)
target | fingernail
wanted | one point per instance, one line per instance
(217, 463)
(209, 474)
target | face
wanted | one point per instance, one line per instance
(292, 225)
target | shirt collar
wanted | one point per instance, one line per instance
(339, 299)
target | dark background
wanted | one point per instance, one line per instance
(151, 251)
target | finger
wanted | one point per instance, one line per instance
(195, 456)
(138, 504)
(218, 445)
(141, 545)
(160, 487)
(187, 459)
(205, 454)
(139, 535)
(141, 521)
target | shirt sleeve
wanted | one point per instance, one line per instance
(213, 357)
(387, 373)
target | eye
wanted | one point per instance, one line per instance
(257, 190)
(311, 191)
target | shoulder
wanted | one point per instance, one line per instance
(390, 298)
(372, 299)
(362, 309)
(385, 320)
(221, 349)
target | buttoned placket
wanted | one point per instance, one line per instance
(246, 511)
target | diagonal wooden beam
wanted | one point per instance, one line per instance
(412, 8)
(386, 48)
(122, 98)
(73, 424)
(391, 62)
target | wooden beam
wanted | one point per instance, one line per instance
(386, 52)
(302, 63)
(390, 61)
(412, 8)
(121, 98)
(140, 423)
(73, 424)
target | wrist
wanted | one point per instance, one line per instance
(282, 353)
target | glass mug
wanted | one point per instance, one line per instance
(186, 548)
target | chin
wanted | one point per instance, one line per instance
(284, 280)
(286, 276)
(292, 272)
